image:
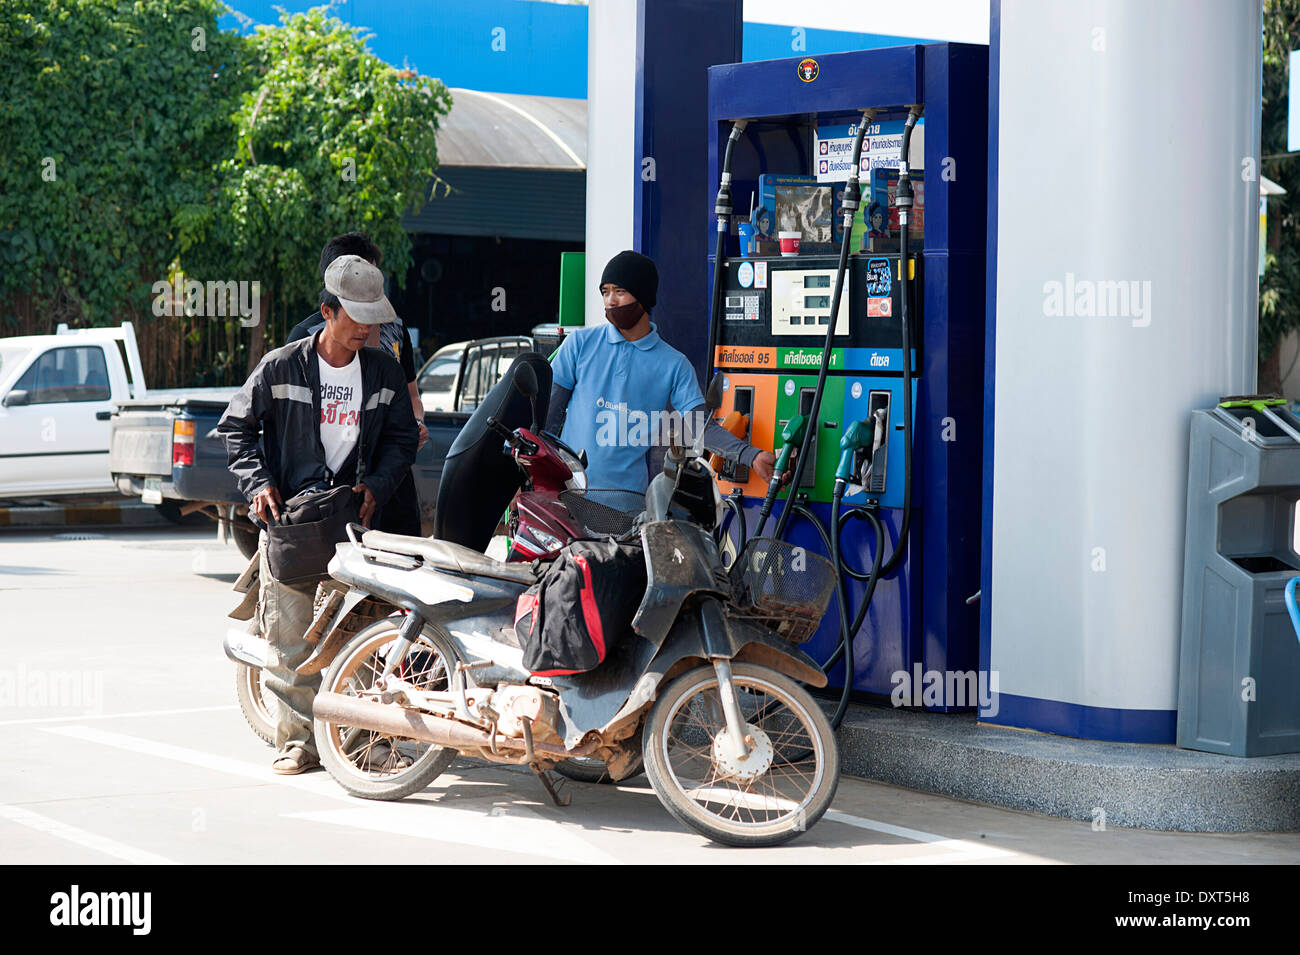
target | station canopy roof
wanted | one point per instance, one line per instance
(510, 131)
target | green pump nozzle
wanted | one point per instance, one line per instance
(856, 437)
(792, 435)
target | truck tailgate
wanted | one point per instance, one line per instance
(141, 443)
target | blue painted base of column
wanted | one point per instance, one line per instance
(1084, 722)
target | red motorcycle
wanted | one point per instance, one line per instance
(555, 506)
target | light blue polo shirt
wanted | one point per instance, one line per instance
(620, 389)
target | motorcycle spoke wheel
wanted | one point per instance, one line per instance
(796, 784)
(257, 703)
(368, 763)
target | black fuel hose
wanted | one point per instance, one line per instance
(852, 197)
(903, 202)
(722, 209)
(738, 519)
(846, 637)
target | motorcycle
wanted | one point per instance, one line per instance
(703, 685)
(538, 525)
(543, 516)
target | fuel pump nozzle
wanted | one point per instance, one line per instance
(852, 443)
(792, 435)
(858, 446)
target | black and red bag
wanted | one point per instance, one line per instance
(568, 620)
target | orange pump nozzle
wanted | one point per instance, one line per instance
(738, 425)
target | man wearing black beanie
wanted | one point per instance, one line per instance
(613, 383)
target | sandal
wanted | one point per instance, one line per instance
(293, 762)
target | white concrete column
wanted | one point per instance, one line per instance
(1127, 230)
(612, 68)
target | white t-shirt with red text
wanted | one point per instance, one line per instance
(340, 410)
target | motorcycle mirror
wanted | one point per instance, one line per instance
(526, 380)
(713, 397)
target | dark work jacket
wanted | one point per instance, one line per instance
(280, 402)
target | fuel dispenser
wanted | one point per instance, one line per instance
(804, 256)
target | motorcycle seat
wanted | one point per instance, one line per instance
(445, 555)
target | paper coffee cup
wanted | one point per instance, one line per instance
(789, 242)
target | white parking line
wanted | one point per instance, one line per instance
(517, 829)
(88, 840)
(959, 850)
(116, 716)
(319, 783)
(501, 831)
(507, 831)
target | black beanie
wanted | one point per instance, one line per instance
(636, 273)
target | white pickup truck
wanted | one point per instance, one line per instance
(57, 395)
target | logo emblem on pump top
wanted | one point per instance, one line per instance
(807, 69)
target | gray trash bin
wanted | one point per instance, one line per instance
(1239, 667)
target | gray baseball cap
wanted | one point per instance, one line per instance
(360, 288)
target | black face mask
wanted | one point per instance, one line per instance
(624, 316)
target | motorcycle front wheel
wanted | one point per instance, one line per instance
(365, 762)
(779, 791)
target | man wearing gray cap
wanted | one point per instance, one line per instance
(328, 411)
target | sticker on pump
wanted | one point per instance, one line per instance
(760, 275)
(879, 307)
(745, 274)
(856, 389)
(880, 278)
(807, 69)
(789, 387)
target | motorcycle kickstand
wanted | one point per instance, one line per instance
(551, 783)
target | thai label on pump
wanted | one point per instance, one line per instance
(745, 356)
(809, 358)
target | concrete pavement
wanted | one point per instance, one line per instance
(125, 745)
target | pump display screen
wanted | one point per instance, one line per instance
(817, 301)
(817, 281)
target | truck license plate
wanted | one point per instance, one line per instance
(152, 491)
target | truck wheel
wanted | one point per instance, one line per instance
(245, 535)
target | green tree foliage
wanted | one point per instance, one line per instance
(140, 139)
(1279, 289)
(110, 114)
(329, 139)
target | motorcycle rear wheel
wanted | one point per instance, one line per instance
(787, 798)
(258, 705)
(367, 763)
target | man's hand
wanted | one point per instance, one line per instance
(267, 503)
(368, 505)
(424, 435)
(763, 464)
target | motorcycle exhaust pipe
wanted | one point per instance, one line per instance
(394, 720)
(250, 649)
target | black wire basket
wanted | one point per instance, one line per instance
(603, 513)
(786, 588)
